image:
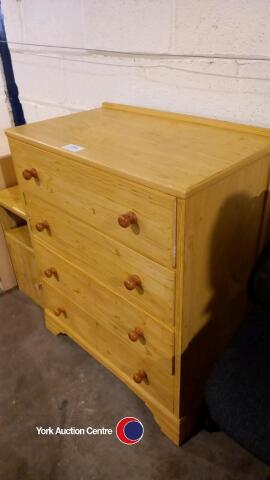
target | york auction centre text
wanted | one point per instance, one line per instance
(74, 431)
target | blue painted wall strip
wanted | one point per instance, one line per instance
(12, 89)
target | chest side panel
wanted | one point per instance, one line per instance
(222, 232)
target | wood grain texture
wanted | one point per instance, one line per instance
(7, 179)
(169, 423)
(98, 199)
(106, 260)
(114, 313)
(7, 275)
(11, 198)
(179, 303)
(222, 234)
(24, 262)
(204, 121)
(98, 340)
(21, 236)
(7, 172)
(170, 155)
(4, 146)
(9, 220)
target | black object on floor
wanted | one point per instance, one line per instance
(238, 390)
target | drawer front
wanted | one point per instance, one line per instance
(99, 199)
(146, 336)
(108, 348)
(109, 262)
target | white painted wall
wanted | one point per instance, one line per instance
(57, 81)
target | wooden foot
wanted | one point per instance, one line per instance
(168, 423)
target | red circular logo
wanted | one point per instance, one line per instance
(129, 430)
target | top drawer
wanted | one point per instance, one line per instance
(101, 200)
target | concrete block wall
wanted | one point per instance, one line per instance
(209, 58)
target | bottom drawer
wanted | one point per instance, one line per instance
(24, 262)
(115, 354)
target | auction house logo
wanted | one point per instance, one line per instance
(129, 430)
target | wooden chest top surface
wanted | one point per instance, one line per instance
(170, 152)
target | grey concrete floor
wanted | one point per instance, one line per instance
(50, 381)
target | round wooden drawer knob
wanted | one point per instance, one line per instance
(40, 226)
(127, 219)
(60, 311)
(135, 334)
(50, 272)
(133, 282)
(28, 174)
(139, 376)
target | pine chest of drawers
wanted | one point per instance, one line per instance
(145, 226)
